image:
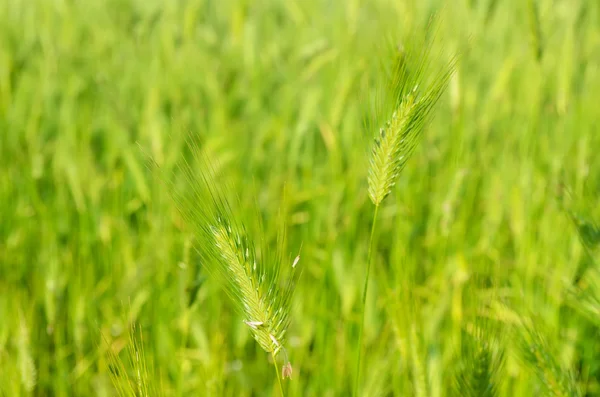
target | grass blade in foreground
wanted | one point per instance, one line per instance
(250, 272)
(410, 96)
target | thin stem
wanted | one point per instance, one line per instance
(277, 372)
(364, 301)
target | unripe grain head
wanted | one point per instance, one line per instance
(410, 98)
(254, 275)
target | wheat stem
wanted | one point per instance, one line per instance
(364, 301)
(277, 372)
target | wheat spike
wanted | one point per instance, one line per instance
(411, 104)
(250, 271)
(391, 150)
(535, 30)
(132, 375)
(419, 371)
(480, 361)
(25, 360)
(265, 315)
(557, 380)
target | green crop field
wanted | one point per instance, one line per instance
(154, 155)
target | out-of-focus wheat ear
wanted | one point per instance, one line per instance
(535, 30)
(481, 359)
(396, 140)
(558, 381)
(418, 369)
(134, 376)
(581, 213)
(27, 368)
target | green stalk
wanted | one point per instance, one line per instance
(364, 302)
(277, 372)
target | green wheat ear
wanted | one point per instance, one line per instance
(481, 359)
(254, 290)
(412, 91)
(132, 375)
(410, 100)
(255, 275)
(536, 353)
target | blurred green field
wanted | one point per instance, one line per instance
(91, 244)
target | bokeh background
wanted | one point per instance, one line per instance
(91, 244)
